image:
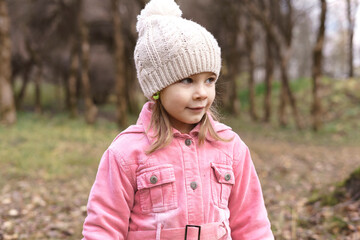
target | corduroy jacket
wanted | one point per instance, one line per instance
(211, 190)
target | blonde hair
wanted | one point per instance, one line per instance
(160, 123)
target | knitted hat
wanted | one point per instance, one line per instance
(171, 48)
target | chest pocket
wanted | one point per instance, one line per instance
(157, 188)
(222, 180)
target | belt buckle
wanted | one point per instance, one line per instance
(194, 226)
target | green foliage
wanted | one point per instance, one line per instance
(328, 199)
(340, 100)
(342, 190)
(333, 198)
(355, 174)
(298, 86)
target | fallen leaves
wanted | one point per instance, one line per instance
(45, 210)
(290, 174)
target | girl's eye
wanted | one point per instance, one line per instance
(186, 80)
(210, 80)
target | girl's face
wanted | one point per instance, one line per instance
(187, 100)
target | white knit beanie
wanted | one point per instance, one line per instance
(171, 48)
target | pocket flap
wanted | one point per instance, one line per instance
(155, 176)
(223, 173)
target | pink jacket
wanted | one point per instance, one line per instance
(213, 186)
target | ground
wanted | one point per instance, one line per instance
(43, 203)
(291, 173)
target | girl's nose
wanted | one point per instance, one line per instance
(200, 92)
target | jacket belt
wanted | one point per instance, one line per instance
(209, 231)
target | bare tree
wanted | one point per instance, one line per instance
(27, 53)
(7, 104)
(72, 80)
(277, 20)
(269, 75)
(129, 34)
(121, 109)
(43, 36)
(317, 68)
(38, 81)
(25, 71)
(23, 67)
(249, 40)
(80, 44)
(351, 7)
(227, 29)
(232, 53)
(58, 29)
(90, 108)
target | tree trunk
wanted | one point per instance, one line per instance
(286, 31)
(74, 67)
(233, 100)
(249, 38)
(134, 99)
(282, 105)
(75, 45)
(132, 94)
(37, 81)
(286, 94)
(65, 83)
(26, 71)
(121, 108)
(90, 108)
(59, 95)
(269, 73)
(19, 98)
(317, 68)
(351, 10)
(7, 103)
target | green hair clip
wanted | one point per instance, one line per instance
(156, 96)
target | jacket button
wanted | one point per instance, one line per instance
(188, 142)
(193, 185)
(153, 179)
(227, 177)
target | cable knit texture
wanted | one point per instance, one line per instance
(170, 48)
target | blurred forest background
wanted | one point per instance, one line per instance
(289, 85)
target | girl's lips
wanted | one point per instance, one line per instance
(196, 109)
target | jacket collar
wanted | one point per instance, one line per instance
(145, 118)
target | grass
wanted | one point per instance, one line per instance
(52, 147)
(50, 93)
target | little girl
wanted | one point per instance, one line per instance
(177, 173)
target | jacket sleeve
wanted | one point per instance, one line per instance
(248, 216)
(110, 201)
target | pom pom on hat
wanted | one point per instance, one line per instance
(158, 7)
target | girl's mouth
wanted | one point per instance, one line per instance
(197, 109)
